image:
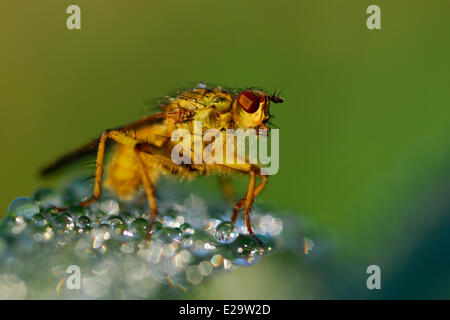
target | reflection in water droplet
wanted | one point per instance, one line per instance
(226, 232)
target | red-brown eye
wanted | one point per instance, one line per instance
(248, 101)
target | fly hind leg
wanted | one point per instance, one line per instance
(247, 201)
(118, 136)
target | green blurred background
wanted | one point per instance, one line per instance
(364, 129)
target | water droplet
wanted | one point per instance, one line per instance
(49, 212)
(127, 216)
(226, 232)
(186, 228)
(202, 243)
(139, 228)
(246, 249)
(84, 222)
(187, 241)
(168, 234)
(170, 221)
(117, 224)
(23, 206)
(39, 220)
(64, 221)
(157, 226)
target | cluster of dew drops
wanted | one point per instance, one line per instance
(191, 239)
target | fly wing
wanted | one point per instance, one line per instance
(91, 147)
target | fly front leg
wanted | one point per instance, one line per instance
(247, 201)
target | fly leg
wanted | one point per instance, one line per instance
(148, 187)
(241, 202)
(247, 201)
(120, 137)
(159, 156)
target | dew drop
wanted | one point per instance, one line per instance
(139, 228)
(64, 221)
(39, 220)
(246, 249)
(186, 228)
(157, 226)
(117, 224)
(23, 206)
(226, 232)
(83, 222)
(169, 234)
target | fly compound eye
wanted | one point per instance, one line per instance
(248, 101)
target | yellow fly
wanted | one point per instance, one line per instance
(142, 150)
